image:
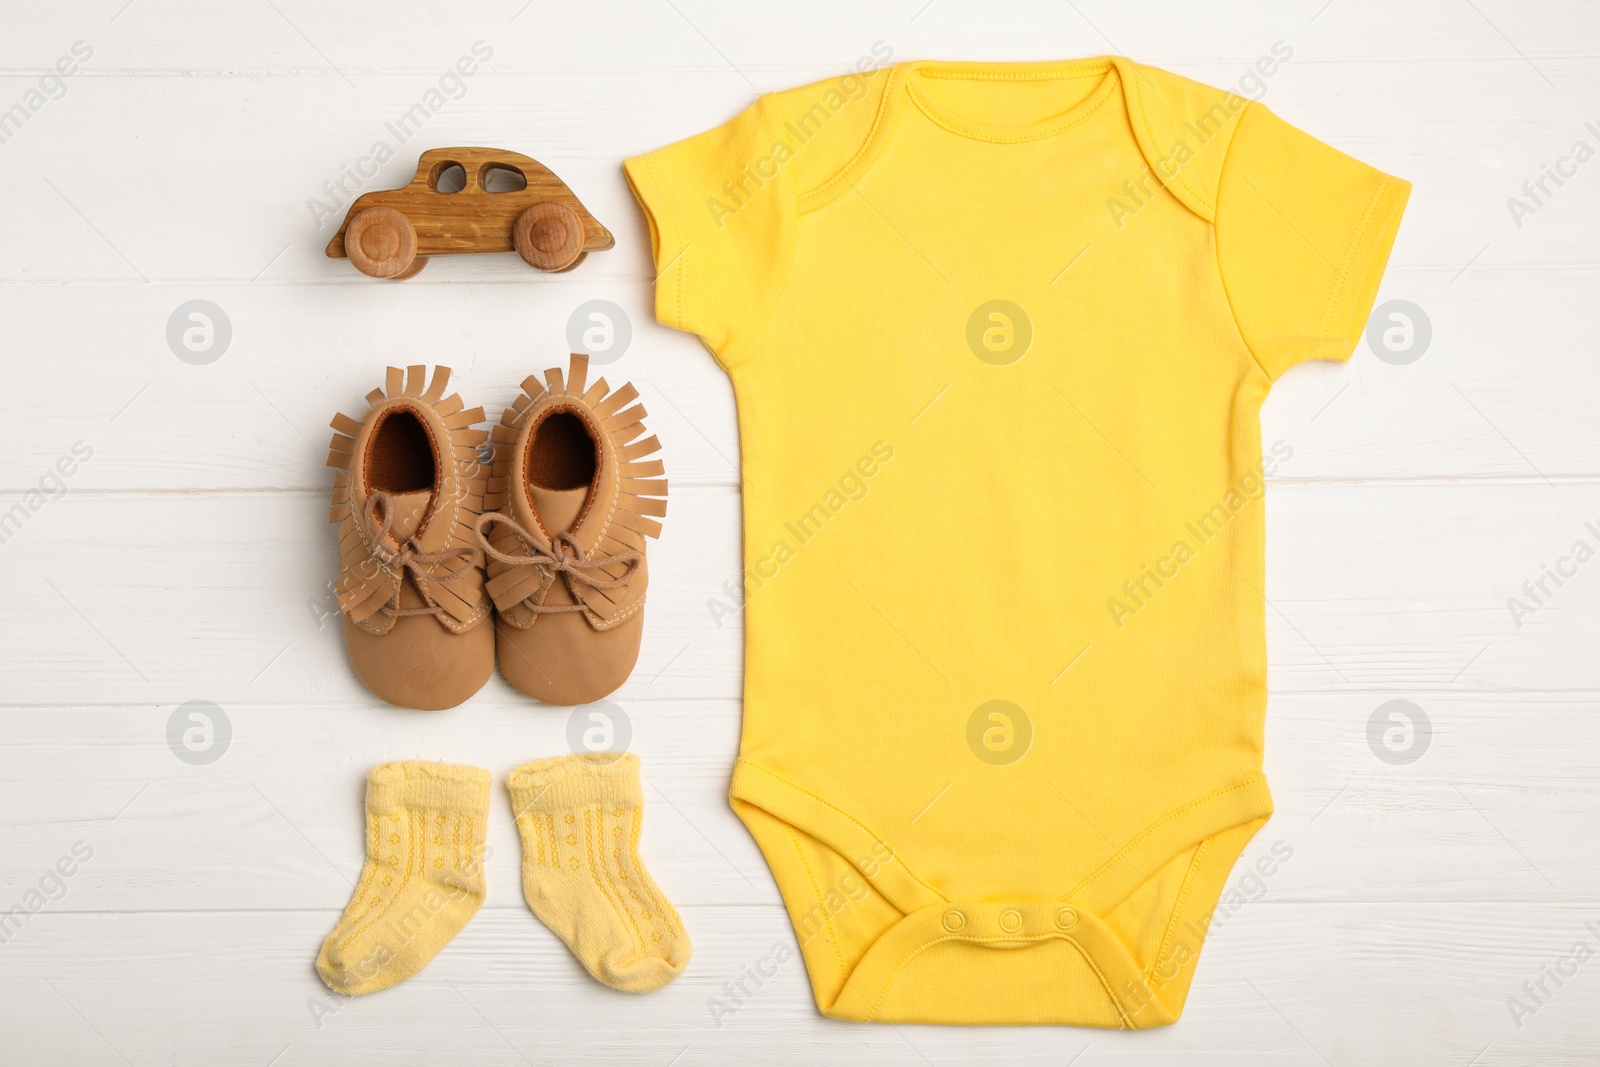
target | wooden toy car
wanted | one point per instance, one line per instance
(506, 202)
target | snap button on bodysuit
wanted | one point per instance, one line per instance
(1066, 919)
(955, 920)
(1011, 920)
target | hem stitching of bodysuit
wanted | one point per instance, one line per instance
(1342, 283)
(1104, 869)
(1177, 909)
(681, 282)
(1122, 853)
(1105, 985)
(816, 889)
(853, 820)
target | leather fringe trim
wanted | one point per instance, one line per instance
(365, 585)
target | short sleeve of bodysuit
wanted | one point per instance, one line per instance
(1303, 232)
(723, 205)
(720, 207)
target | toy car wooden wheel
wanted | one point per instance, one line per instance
(549, 236)
(411, 271)
(381, 242)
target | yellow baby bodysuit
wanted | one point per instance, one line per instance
(999, 336)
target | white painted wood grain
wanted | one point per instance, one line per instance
(1485, 136)
(1504, 393)
(277, 822)
(1281, 985)
(188, 558)
(171, 597)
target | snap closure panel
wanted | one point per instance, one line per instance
(1066, 919)
(955, 920)
(1011, 920)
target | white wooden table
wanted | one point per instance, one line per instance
(185, 557)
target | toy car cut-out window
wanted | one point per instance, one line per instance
(501, 178)
(449, 178)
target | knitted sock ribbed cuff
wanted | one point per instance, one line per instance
(428, 787)
(567, 783)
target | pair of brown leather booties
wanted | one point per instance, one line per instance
(535, 556)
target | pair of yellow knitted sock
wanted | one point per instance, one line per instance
(579, 817)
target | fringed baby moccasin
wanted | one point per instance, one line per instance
(571, 499)
(417, 619)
